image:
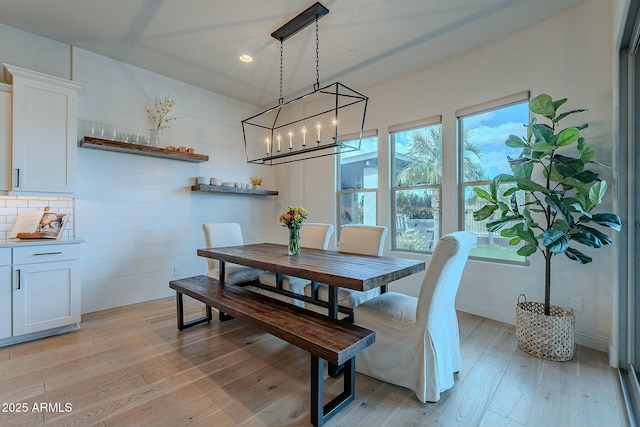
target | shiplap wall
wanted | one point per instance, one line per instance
(141, 222)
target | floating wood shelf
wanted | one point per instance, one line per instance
(143, 150)
(231, 190)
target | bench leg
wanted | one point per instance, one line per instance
(320, 413)
(180, 315)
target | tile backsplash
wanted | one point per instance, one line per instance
(12, 206)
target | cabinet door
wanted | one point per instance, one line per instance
(44, 137)
(5, 138)
(5, 302)
(45, 296)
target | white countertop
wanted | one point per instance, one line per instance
(10, 243)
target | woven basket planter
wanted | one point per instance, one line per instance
(547, 337)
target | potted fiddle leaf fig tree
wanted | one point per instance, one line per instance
(555, 216)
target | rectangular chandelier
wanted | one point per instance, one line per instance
(308, 126)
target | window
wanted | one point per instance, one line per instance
(482, 131)
(416, 172)
(358, 183)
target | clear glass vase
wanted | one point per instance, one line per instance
(294, 241)
(154, 137)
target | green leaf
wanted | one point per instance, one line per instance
(532, 123)
(510, 191)
(567, 137)
(483, 194)
(607, 219)
(504, 208)
(514, 203)
(597, 192)
(543, 147)
(543, 105)
(561, 225)
(578, 208)
(567, 166)
(556, 241)
(527, 235)
(582, 199)
(578, 256)
(500, 223)
(555, 175)
(522, 171)
(511, 231)
(559, 207)
(543, 133)
(558, 103)
(515, 141)
(563, 115)
(484, 212)
(515, 241)
(586, 153)
(528, 185)
(586, 238)
(586, 176)
(527, 250)
(503, 178)
(606, 240)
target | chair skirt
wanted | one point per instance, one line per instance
(422, 358)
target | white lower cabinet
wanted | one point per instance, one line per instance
(45, 296)
(5, 292)
(44, 291)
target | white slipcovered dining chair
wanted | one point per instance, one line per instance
(356, 239)
(221, 234)
(312, 235)
(417, 340)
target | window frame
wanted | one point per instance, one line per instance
(496, 104)
(338, 184)
(394, 189)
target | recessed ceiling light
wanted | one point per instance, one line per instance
(352, 52)
(245, 58)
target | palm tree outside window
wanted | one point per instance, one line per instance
(483, 130)
(416, 184)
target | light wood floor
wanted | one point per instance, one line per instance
(131, 367)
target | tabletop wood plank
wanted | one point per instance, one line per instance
(352, 271)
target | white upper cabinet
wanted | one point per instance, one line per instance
(44, 133)
(5, 137)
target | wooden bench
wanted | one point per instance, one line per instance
(335, 341)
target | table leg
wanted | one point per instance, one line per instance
(333, 370)
(223, 317)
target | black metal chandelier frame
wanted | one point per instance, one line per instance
(269, 123)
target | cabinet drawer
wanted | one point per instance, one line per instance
(45, 253)
(5, 256)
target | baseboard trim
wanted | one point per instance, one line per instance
(588, 340)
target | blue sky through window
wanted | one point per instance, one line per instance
(489, 131)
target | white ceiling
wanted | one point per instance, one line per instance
(362, 42)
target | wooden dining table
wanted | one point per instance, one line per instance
(333, 268)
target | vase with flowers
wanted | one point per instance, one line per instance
(159, 116)
(255, 182)
(292, 218)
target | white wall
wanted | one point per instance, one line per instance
(569, 56)
(141, 221)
